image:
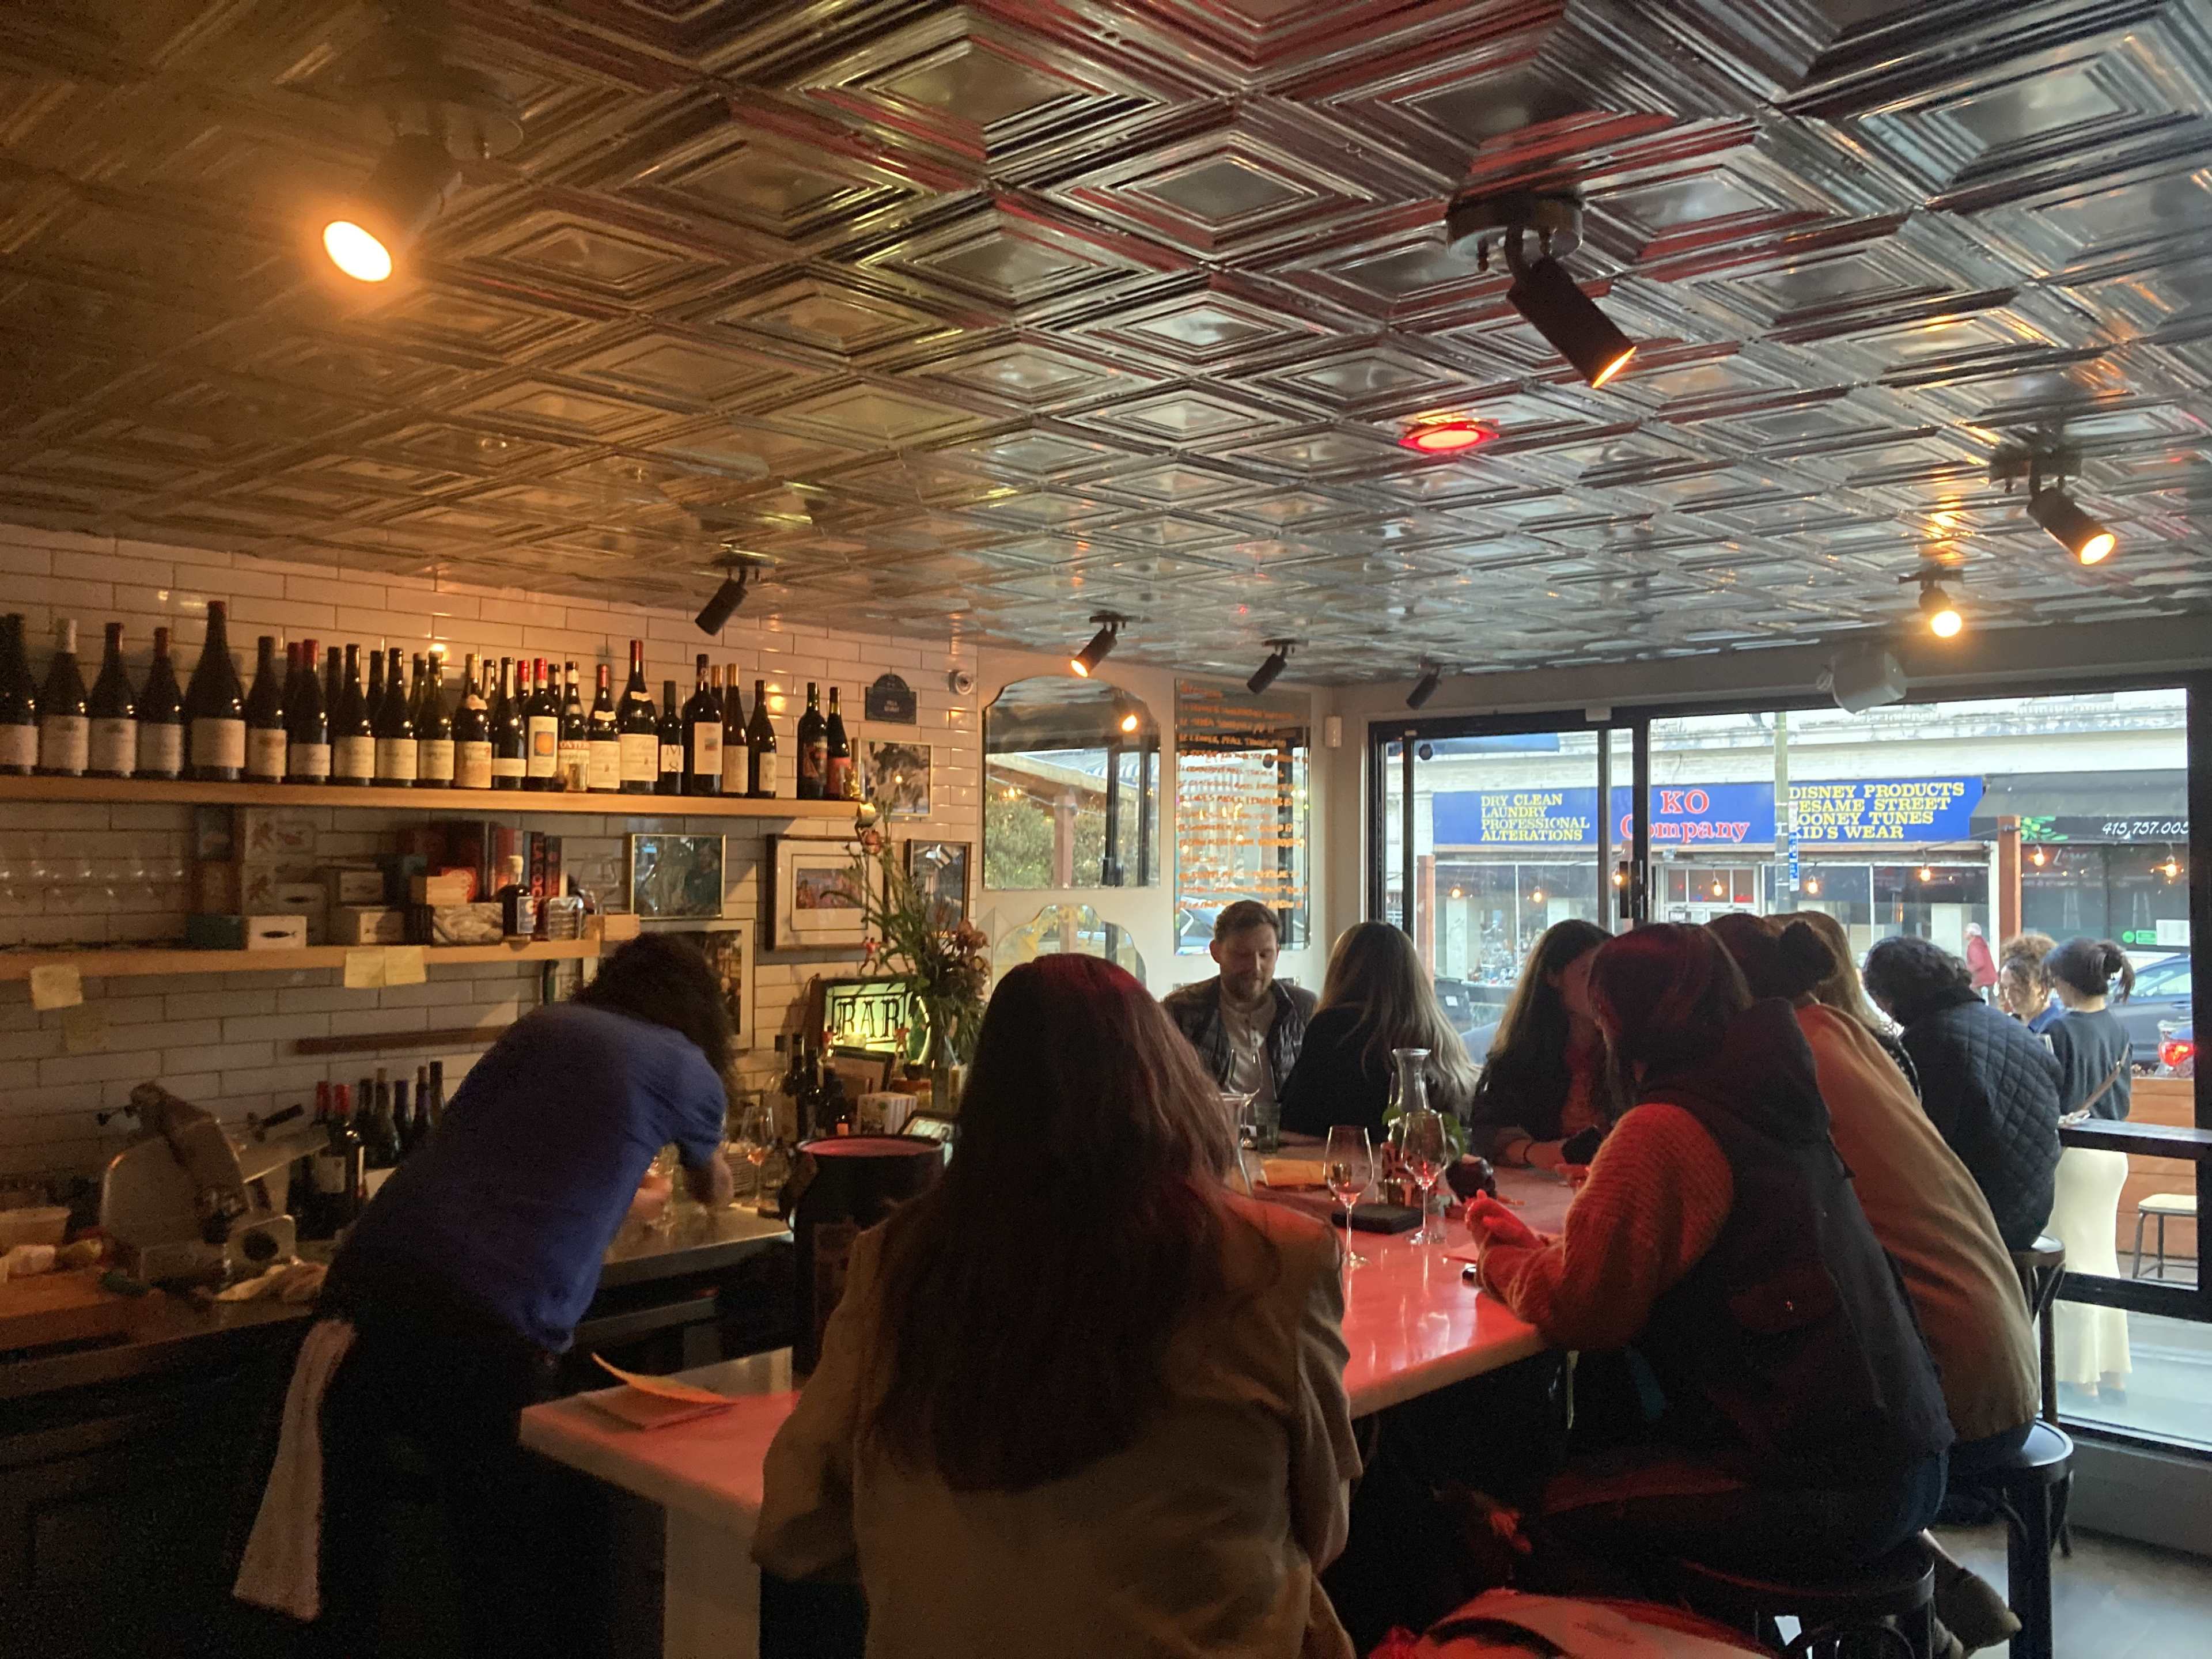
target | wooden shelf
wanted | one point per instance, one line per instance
(99, 962)
(133, 791)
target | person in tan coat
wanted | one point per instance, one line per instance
(1078, 1399)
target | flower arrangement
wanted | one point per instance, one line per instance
(945, 968)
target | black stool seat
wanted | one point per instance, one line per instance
(2030, 1488)
(1901, 1586)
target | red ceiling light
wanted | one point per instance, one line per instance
(1447, 437)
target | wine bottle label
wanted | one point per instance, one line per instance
(219, 743)
(544, 748)
(839, 781)
(19, 746)
(813, 761)
(395, 760)
(734, 765)
(265, 754)
(307, 762)
(64, 744)
(575, 763)
(472, 765)
(764, 775)
(671, 757)
(508, 765)
(604, 770)
(161, 750)
(114, 747)
(433, 758)
(354, 758)
(641, 757)
(706, 749)
(328, 1170)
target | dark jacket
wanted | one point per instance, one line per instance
(2094, 1057)
(1196, 1011)
(1333, 1083)
(1990, 1087)
(1790, 1352)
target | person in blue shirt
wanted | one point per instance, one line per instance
(465, 1276)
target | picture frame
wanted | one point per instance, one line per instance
(810, 903)
(895, 776)
(942, 867)
(676, 878)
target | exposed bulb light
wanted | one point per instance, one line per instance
(2071, 527)
(1456, 893)
(1925, 873)
(404, 195)
(2038, 858)
(1535, 896)
(1129, 721)
(1937, 605)
(1425, 687)
(1570, 319)
(1084, 663)
(1279, 658)
(2171, 869)
(1446, 437)
(1812, 886)
(1720, 890)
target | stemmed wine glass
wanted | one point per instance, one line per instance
(1348, 1164)
(1422, 1151)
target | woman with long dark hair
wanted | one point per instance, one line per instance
(1376, 997)
(1078, 1395)
(1718, 1235)
(1540, 1100)
(2094, 1059)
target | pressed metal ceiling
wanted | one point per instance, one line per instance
(991, 316)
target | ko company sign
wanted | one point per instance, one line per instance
(1870, 813)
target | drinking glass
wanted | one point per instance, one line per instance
(750, 1135)
(1236, 1115)
(1424, 1152)
(1347, 1164)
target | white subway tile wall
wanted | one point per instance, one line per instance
(73, 872)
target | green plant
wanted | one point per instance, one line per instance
(945, 968)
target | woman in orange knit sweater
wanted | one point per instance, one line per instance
(1800, 1423)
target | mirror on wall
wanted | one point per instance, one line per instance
(1070, 787)
(1074, 929)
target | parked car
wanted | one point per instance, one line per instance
(2177, 1049)
(1456, 998)
(2161, 998)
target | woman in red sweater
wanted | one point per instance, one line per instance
(1797, 1423)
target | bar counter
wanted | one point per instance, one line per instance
(1412, 1321)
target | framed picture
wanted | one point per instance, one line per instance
(811, 903)
(675, 878)
(729, 953)
(897, 775)
(940, 867)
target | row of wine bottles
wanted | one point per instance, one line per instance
(372, 1130)
(313, 720)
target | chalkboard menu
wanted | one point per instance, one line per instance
(1242, 785)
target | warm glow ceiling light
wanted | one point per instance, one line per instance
(2072, 528)
(1542, 291)
(367, 240)
(1085, 662)
(1451, 436)
(1425, 687)
(1536, 896)
(1279, 658)
(1936, 605)
(1925, 873)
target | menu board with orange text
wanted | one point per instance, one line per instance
(1242, 783)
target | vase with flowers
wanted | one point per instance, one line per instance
(913, 936)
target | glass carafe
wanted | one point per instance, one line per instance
(1417, 1134)
(1409, 1081)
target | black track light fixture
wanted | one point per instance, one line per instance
(1937, 607)
(1084, 663)
(2046, 469)
(1279, 658)
(1425, 687)
(368, 237)
(738, 569)
(1542, 292)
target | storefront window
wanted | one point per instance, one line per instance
(1071, 780)
(1240, 808)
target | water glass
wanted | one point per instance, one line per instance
(1347, 1164)
(1422, 1149)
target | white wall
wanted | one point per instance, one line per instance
(225, 1040)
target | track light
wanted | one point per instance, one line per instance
(728, 596)
(1279, 658)
(2074, 530)
(367, 240)
(1425, 687)
(1542, 292)
(1085, 662)
(1937, 604)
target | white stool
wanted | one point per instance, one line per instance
(2157, 1208)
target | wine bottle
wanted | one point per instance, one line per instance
(396, 764)
(542, 721)
(112, 746)
(416, 1129)
(813, 747)
(333, 684)
(760, 748)
(639, 728)
(605, 771)
(840, 777)
(19, 703)
(264, 717)
(436, 1109)
(510, 737)
(703, 737)
(353, 734)
(64, 720)
(433, 731)
(671, 782)
(160, 716)
(471, 733)
(214, 705)
(308, 723)
(735, 768)
(575, 767)
(336, 1169)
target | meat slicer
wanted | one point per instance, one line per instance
(187, 1200)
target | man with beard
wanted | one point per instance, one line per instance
(1246, 1027)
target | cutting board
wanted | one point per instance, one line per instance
(64, 1306)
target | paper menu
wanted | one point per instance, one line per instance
(662, 1387)
(654, 1402)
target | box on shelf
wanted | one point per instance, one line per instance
(446, 888)
(353, 883)
(279, 833)
(400, 870)
(365, 924)
(483, 923)
(564, 918)
(310, 899)
(488, 848)
(242, 933)
(616, 926)
(544, 880)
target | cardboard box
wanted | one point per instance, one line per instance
(364, 924)
(206, 933)
(352, 884)
(614, 925)
(310, 899)
(278, 833)
(446, 888)
(467, 924)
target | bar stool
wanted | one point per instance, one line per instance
(2030, 1488)
(2159, 1207)
(2041, 1267)
(1887, 1607)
